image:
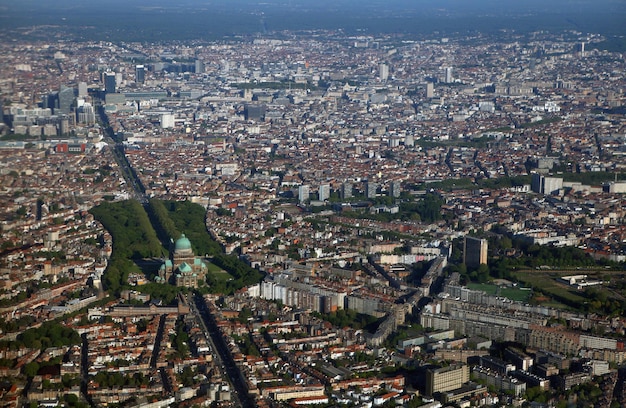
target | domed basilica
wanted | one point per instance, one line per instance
(183, 268)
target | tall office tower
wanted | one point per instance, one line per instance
(394, 189)
(545, 185)
(324, 192)
(66, 99)
(346, 190)
(383, 72)
(82, 89)
(536, 183)
(140, 74)
(52, 101)
(64, 126)
(430, 90)
(370, 189)
(474, 252)
(393, 142)
(254, 111)
(86, 114)
(449, 77)
(446, 378)
(110, 83)
(303, 193)
(199, 67)
(582, 49)
(167, 121)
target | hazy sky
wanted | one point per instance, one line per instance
(511, 6)
(137, 19)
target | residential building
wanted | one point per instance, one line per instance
(446, 378)
(346, 190)
(324, 192)
(303, 193)
(474, 252)
(370, 189)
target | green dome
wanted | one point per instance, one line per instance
(182, 243)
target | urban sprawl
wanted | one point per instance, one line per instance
(388, 191)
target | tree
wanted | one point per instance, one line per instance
(244, 314)
(31, 369)
(506, 243)
(49, 334)
(71, 399)
(223, 212)
(482, 273)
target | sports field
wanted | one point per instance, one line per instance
(513, 293)
(549, 284)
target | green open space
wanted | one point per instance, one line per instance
(173, 218)
(218, 274)
(212, 268)
(464, 183)
(141, 239)
(513, 293)
(133, 238)
(547, 284)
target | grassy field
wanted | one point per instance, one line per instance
(218, 273)
(548, 284)
(515, 294)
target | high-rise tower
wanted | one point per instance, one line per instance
(346, 190)
(110, 83)
(66, 99)
(449, 79)
(395, 189)
(474, 252)
(324, 192)
(303, 193)
(199, 67)
(140, 74)
(370, 189)
(383, 72)
(83, 91)
(430, 90)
